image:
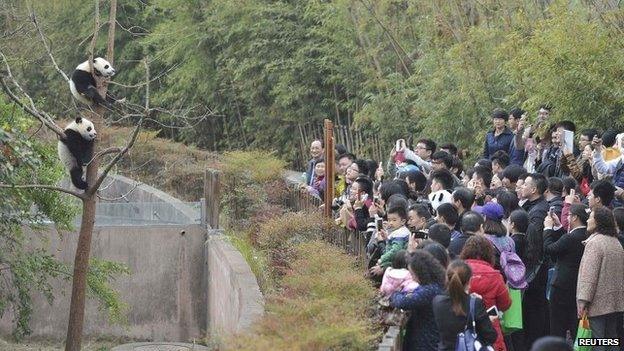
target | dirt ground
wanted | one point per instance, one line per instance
(55, 346)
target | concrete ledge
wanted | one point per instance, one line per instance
(391, 340)
(235, 302)
(160, 346)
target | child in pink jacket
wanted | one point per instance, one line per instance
(397, 277)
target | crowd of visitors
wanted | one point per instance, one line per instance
(513, 250)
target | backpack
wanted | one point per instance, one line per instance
(467, 340)
(511, 264)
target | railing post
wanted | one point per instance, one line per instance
(329, 166)
(203, 212)
(212, 194)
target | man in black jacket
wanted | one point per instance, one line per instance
(567, 250)
(534, 304)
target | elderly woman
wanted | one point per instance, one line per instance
(600, 287)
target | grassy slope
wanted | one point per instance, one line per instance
(322, 305)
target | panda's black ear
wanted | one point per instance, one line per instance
(95, 59)
(78, 120)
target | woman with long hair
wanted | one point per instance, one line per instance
(451, 310)
(478, 253)
(421, 332)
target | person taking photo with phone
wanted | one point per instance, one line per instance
(396, 234)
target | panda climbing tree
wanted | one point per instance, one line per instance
(75, 150)
(83, 85)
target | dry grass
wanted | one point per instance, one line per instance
(174, 168)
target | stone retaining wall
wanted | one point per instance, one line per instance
(235, 302)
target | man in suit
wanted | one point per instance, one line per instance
(567, 250)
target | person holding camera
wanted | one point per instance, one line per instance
(614, 168)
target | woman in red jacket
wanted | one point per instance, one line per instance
(486, 280)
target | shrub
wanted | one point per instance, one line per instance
(175, 168)
(278, 237)
(248, 178)
(257, 166)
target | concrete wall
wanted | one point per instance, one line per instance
(164, 292)
(181, 286)
(235, 302)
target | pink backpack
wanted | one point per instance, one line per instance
(511, 264)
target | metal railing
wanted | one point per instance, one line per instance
(146, 213)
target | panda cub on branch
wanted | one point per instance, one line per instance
(76, 149)
(83, 86)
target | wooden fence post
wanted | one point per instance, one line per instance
(329, 166)
(212, 194)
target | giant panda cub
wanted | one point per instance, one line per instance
(83, 86)
(76, 149)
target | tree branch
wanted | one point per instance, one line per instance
(121, 196)
(110, 166)
(41, 186)
(94, 38)
(32, 110)
(33, 17)
(112, 21)
(110, 150)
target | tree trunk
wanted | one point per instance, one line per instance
(83, 250)
(81, 265)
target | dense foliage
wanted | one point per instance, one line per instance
(264, 67)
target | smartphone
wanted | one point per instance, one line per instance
(492, 311)
(400, 144)
(420, 235)
(379, 224)
(363, 197)
(551, 210)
